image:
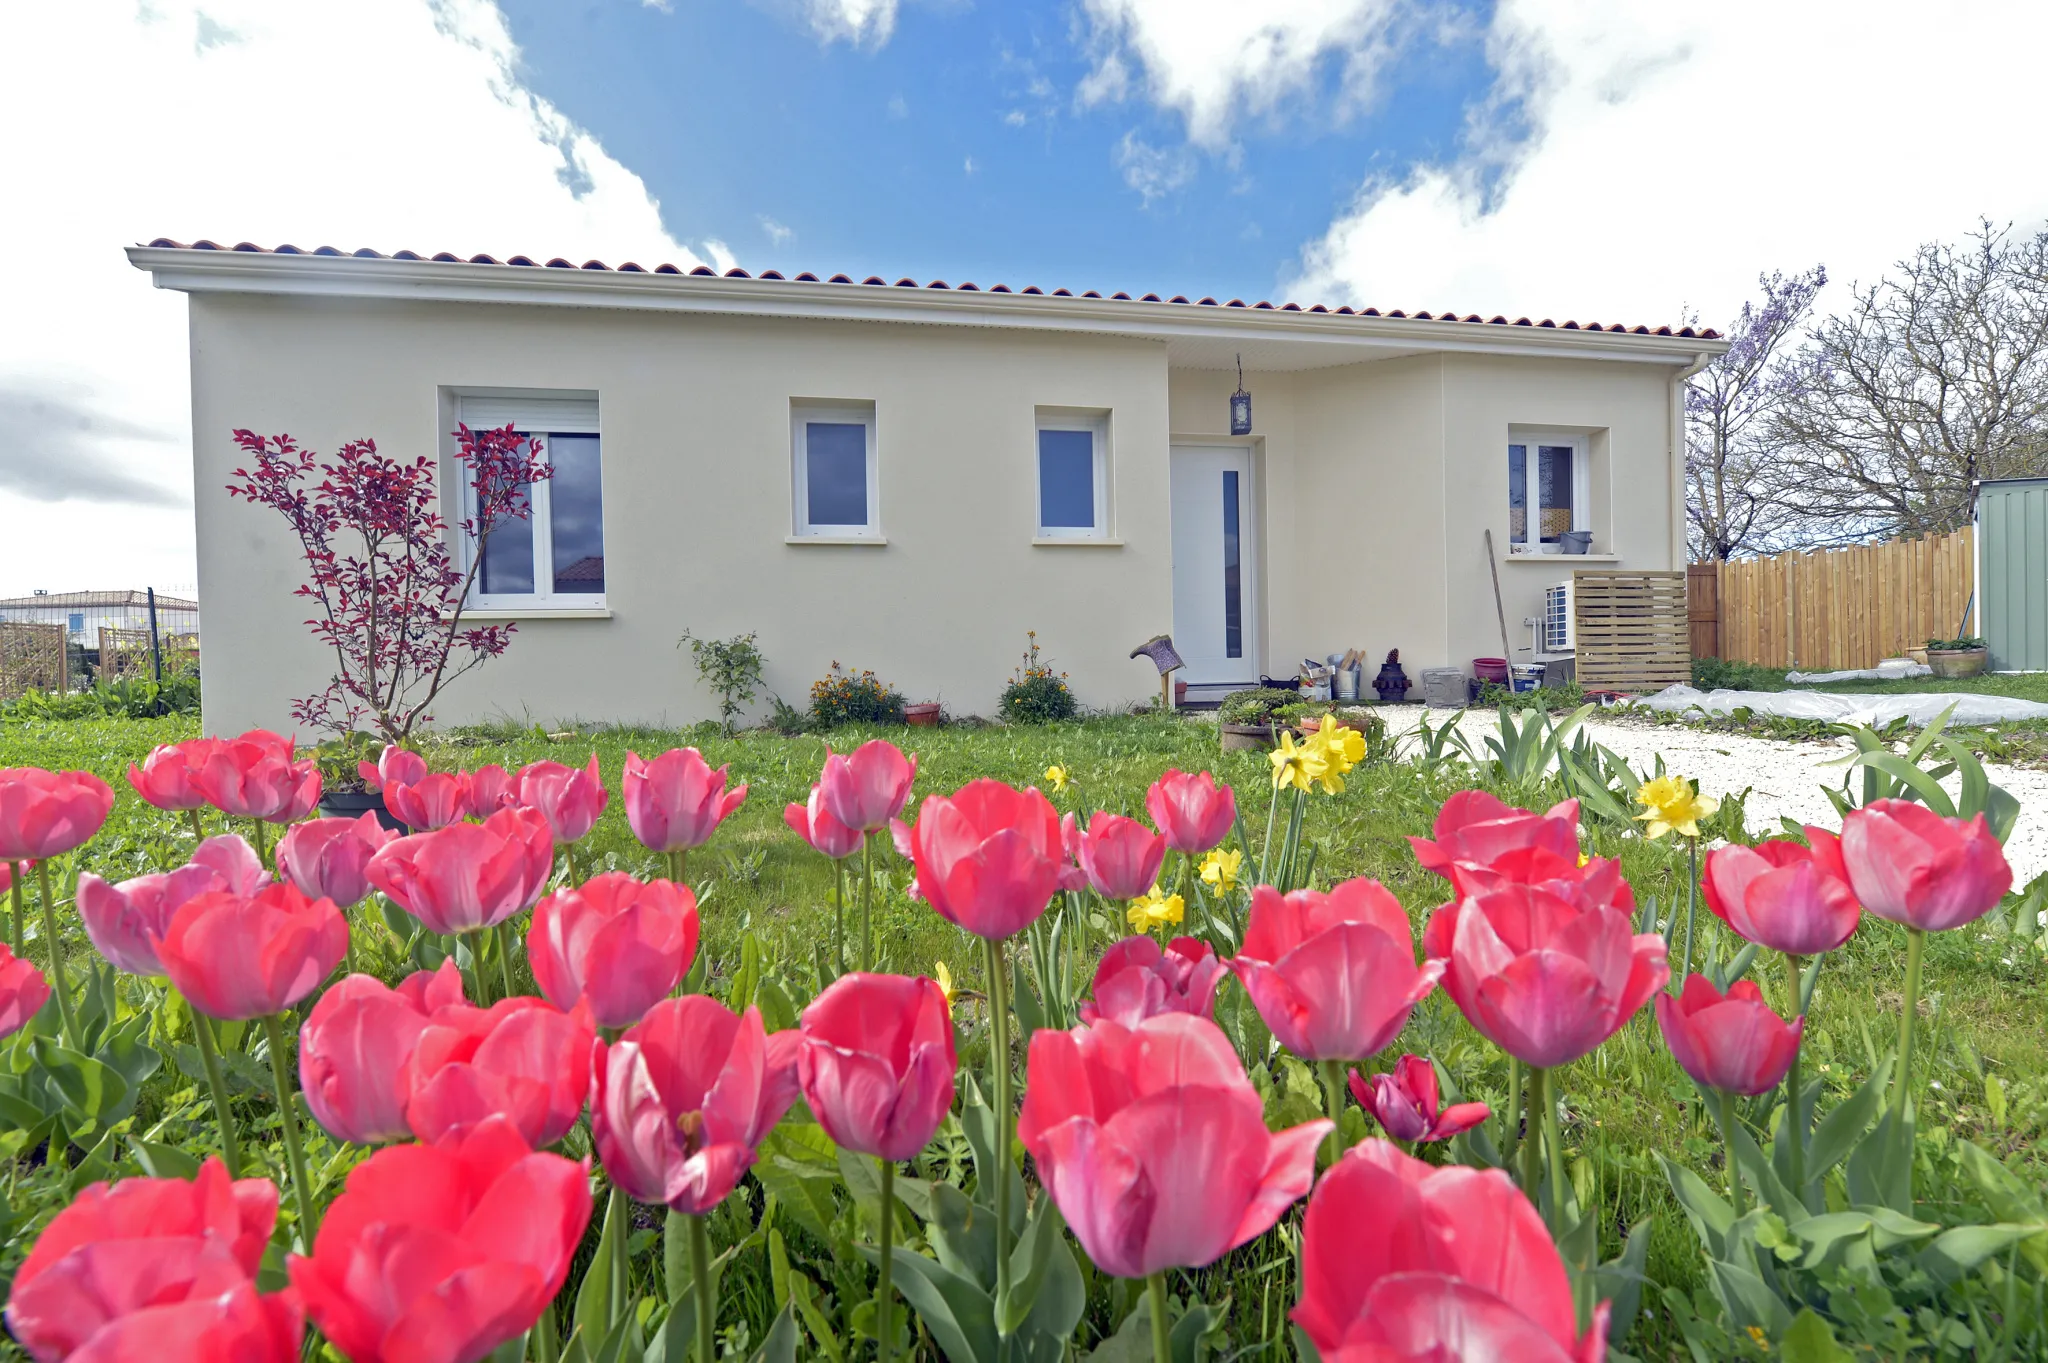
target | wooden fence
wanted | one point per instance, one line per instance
(1631, 630)
(124, 653)
(1834, 608)
(33, 657)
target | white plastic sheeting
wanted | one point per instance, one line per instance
(1891, 669)
(1916, 708)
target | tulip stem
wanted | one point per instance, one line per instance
(288, 1117)
(15, 872)
(1266, 852)
(1333, 1095)
(1553, 1144)
(505, 956)
(867, 896)
(1735, 1197)
(1692, 898)
(545, 1347)
(1511, 1138)
(198, 829)
(884, 1337)
(707, 1304)
(1795, 1119)
(262, 850)
(999, 1061)
(1916, 941)
(1162, 1337)
(1532, 1134)
(675, 865)
(56, 947)
(230, 1143)
(839, 912)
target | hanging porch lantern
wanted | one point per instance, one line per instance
(1240, 405)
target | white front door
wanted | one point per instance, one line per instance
(1214, 596)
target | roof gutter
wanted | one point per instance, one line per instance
(203, 271)
(1679, 556)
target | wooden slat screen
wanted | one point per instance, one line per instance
(1632, 629)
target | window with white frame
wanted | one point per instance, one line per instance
(554, 557)
(1073, 474)
(833, 473)
(1549, 490)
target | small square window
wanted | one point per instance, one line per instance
(1547, 490)
(1073, 474)
(833, 470)
(553, 556)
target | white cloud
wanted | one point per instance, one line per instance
(899, 107)
(1016, 118)
(1217, 61)
(778, 234)
(1153, 171)
(862, 23)
(968, 165)
(1673, 151)
(384, 123)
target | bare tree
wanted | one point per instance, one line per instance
(1934, 378)
(1736, 500)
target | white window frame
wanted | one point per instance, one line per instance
(803, 411)
(1096, 424)
(1582, 483)
(540, 417)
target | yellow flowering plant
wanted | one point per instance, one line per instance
(1058, 778)
(1157, 909)
(1219, 869)
(1672, 804)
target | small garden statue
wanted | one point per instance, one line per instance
(1392, 682)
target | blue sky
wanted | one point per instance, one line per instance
(1606, 160)
(961, 148)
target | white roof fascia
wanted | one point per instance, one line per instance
(218, 271)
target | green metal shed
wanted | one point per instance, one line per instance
(2012, 572)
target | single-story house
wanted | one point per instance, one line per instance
(85, 614)
(907, 476)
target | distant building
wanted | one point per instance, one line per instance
(84, 614)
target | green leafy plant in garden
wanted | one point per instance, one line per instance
(1255, 705)
(1965, 642)
(731, 668)
(843, 697)
(1036, 694)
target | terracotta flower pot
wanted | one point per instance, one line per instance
(924, 715)
(1958, 662)
(1247, 737)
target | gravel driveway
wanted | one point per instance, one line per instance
(1784, 777)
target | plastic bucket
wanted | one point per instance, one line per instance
(1527, 677)
(1490, 669)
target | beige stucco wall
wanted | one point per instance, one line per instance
(695, 417)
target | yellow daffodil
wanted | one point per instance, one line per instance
(1343, 747)
(1056, 777)
(1155, 909)
(944, 978)
(1219, 870)
(1291, 763)
(1671, 805)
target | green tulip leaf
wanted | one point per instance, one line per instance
(1711, 1217)
(592, 1319)
(957, 1312)
(1811, 1340)
(780, 1345)
(1748, 1299)
(91, 1090)
(1842, 1129)
(1955, 1252)
(2009, 1197)
(163, 1161)
(1619, 1281)
(1030, 1260)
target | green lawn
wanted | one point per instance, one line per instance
(1984, 995)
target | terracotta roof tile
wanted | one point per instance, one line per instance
(630, 267)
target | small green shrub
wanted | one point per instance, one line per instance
(1714, 674)
(129, 698)
(730, 667)
(1949, 645)
(842, 697)
(340, 758)
(1570, 696)
(1256, 705)
(1036, 694)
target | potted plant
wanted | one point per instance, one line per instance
(1249, 719)
(922, 714)
(1964, 657)
(387, 581)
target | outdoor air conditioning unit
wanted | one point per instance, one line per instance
(1559, 636)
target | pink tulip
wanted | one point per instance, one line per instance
(1136, 980)
(492, 788)
(1409, 1106)
(1544, 978)
(614, 943)
(23, 991)
(466, 877)
(814, 823)
(521, 1057)
(683, 1100)
(236, 957)
(253, 776)
(1193, 812)
(1733, 1041)
(1120, 856)
(330, 858)
(394, 764)
(1333, 975)
(989, 857)
(1912, 866)
(234, 862)
(876, 1063)
(355, 1053)
(435, 800)
(1483, 845)
(165, 778)
(571, 799)
(1153, 1144)
(48, 813)
(868, 787)
(1405, 1262)
(123, 921)
(1781, 895)
(676, 801)
(158, 1269)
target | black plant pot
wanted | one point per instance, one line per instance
(352, 804)
(1391, 683)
